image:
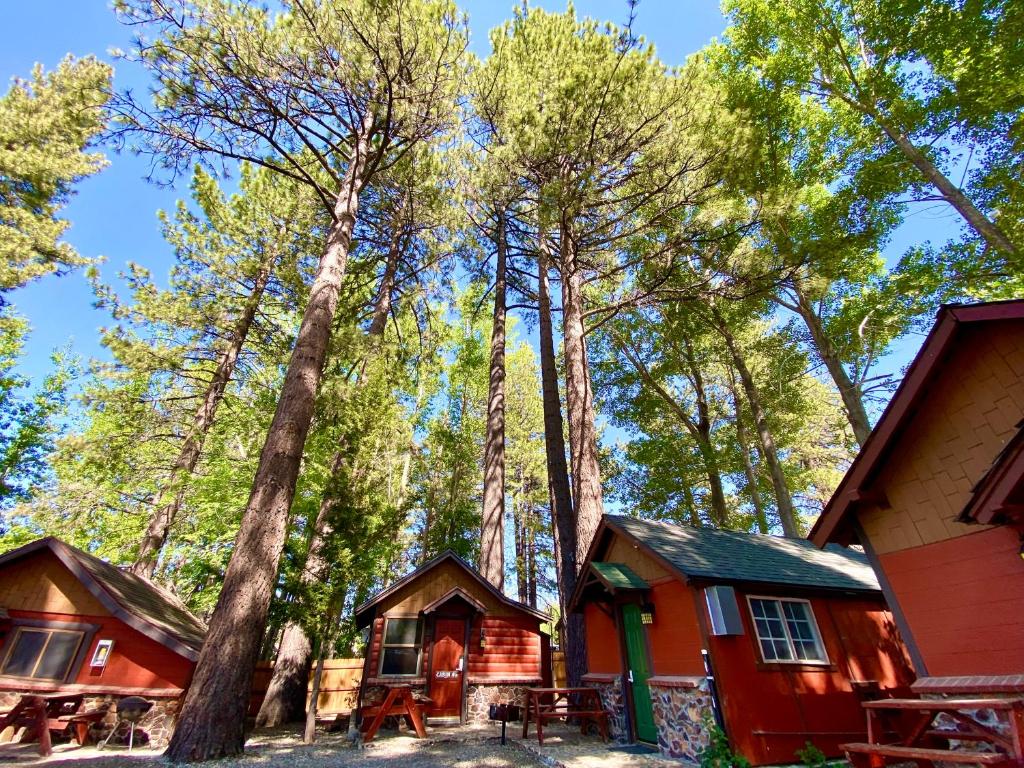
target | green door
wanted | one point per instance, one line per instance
(639, 671)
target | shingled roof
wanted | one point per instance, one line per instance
(135, 600)
(730, 556)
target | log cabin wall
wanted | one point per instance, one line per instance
(513, 648)
(959, 587)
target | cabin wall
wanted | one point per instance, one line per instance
(962, 599)
(958, 586)
(510, 658)
(39, 588)
(772, 709)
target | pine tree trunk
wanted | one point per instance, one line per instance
(748, 466)
(852, 396)
(171, 496)
(579, 397)
(559, 490)
(787, 515)
(326, 641)
(285, 700)
(492, 538)
(212, 719)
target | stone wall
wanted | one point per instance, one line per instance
(681, 712)
(479, 698)
(989, 718)
(613, 702)
(154, 729)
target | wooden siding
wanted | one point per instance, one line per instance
(42, 583)
(421, 592)
(643, 565)
(603, 655)
(772, 710)
(969, 413)
(675, 638)
(135, 662)
(512, 650)
(962, 600)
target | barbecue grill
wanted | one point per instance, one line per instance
(504, 713)
(130, 710)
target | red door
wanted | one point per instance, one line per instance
(447, 667)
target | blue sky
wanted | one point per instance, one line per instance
(113, 214)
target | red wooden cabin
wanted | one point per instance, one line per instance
(793, 637)
(936, 498)
(446, 631)
(71, 623)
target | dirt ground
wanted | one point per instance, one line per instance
(282, 749)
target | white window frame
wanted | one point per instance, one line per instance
(818, 641)
(418, 646)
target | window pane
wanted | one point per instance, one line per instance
(401, 632)
(805, 640)
(26, 650)
(58, 655)
(400, 661)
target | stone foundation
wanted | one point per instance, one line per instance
(609, 688)
(154, 729)
(479, 698)
(681, 711)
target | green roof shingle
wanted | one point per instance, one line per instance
(730, 556)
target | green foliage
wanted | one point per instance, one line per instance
(718, 753)
(811, 756)
(46, 125)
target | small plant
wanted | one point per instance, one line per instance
(811, 756)
(718, 754)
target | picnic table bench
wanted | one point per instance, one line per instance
(554, 703)
(918, 740)
(398, 701)
(43, 715)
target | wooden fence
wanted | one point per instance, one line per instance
(339, 686)
(558, 669)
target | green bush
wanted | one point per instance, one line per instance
(811, 756)
(718, 754)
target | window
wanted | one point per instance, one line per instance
(400, 652)
(42, 653)
(786, 630)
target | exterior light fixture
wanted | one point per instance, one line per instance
(483, 638)
(102, 654)
(647, 613)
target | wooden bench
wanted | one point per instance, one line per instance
(861, 755)
(918, 740)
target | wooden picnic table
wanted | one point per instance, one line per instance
(40, 715)
(554, 703)
(918, 740)
(398, 701)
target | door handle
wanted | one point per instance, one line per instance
(458, 667)
(630, 676)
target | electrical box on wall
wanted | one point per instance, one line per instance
(724, 610)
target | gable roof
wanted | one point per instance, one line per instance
(135, 600)
(733, 557)
(831, 525)
(363, 615)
